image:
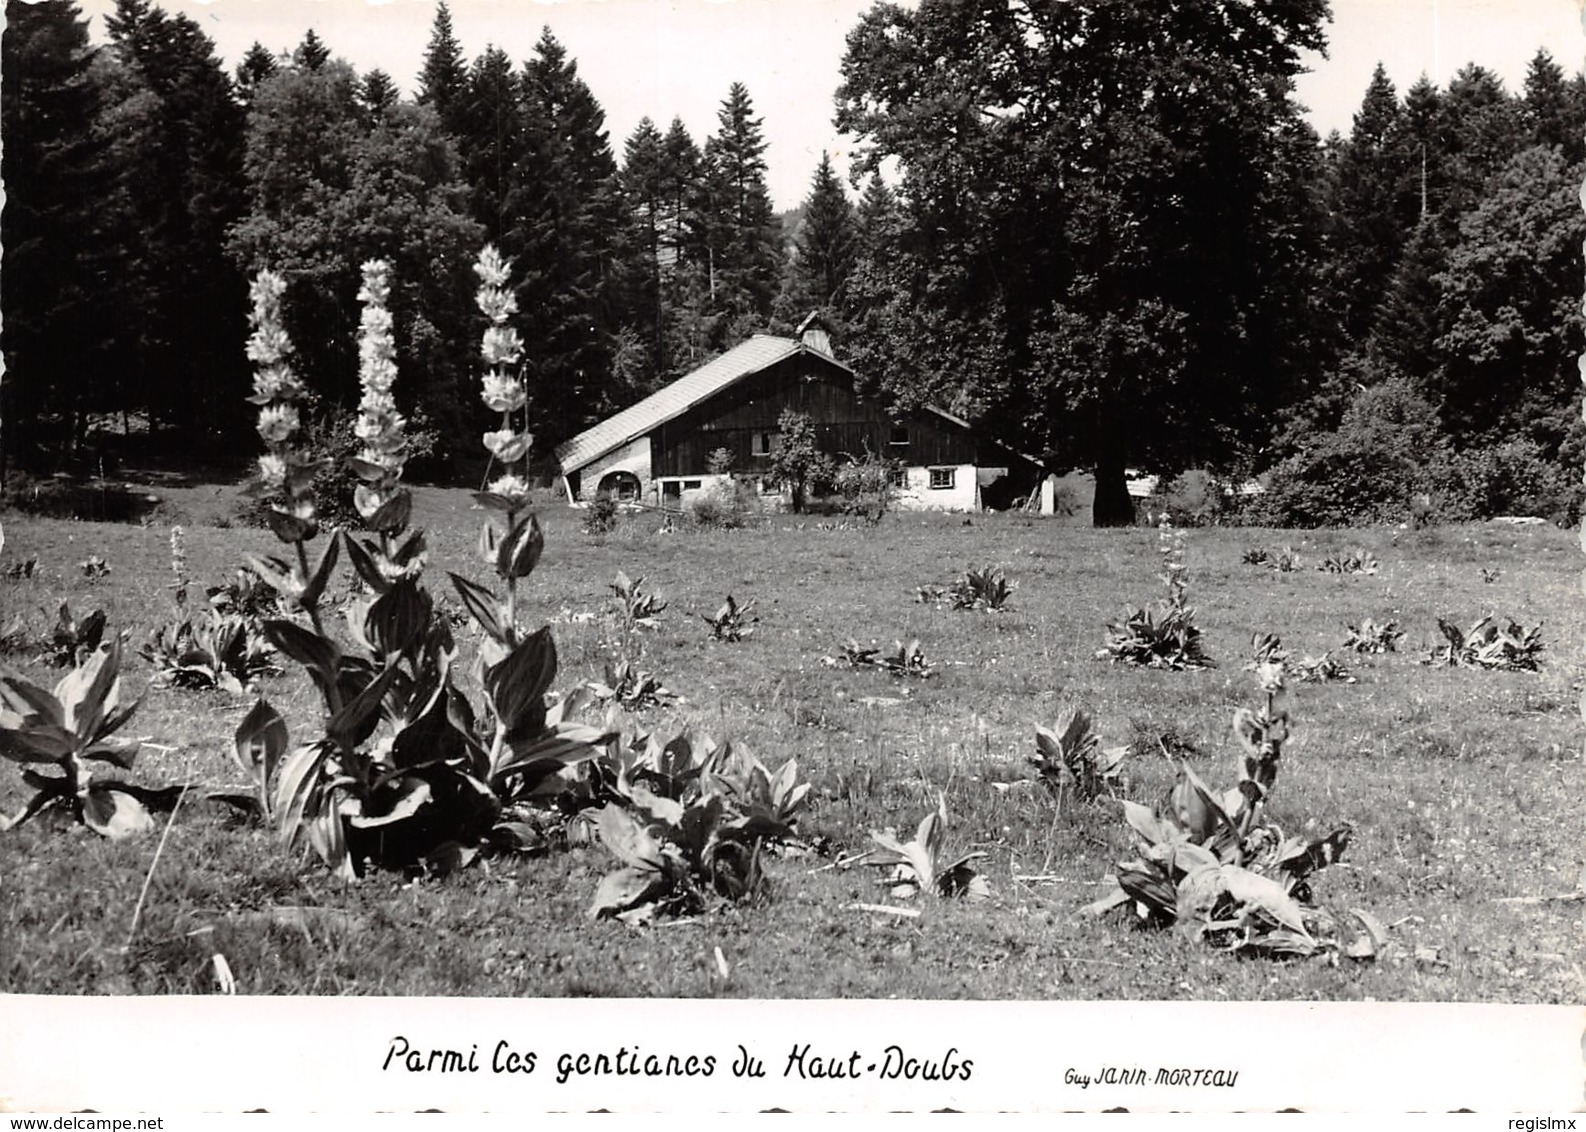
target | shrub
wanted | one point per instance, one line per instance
(1382, 454)
(600, 517)
(727, 505)
(1511, 477)
(865, 486)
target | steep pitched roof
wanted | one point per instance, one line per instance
(752, 356)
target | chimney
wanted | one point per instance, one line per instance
(814, 333)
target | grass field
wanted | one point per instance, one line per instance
(1465, 788)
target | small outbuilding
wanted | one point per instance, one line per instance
(660, 451)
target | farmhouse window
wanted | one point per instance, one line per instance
(898, 477)
(900, 436)
(942, 478)
(762, 443)
(690, 485)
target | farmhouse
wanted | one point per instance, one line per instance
(659, 451)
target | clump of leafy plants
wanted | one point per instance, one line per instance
(986, 589)
(1286, 561)
(94, 567)
(1256, 556)
(22, 569)
(1496, 646)
(636, 607)
(1217, 867)
(905, 659)
(72, 638)
(66, 729)
(248, 596)
(732, 622)
(1373, 637)
(690, 824)
(923, 864)
(218, 650)
(221, 652)
(1348, 562)
(403, 772)
(1169, 638)
(1324, 669)
(1489, 575)
(1071, 762)
(630, 687)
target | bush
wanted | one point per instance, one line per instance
(1513, 477)
(601, 517)
(726, 505)
(1384, 453)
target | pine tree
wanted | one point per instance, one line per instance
(444, 79)
(377, 95)
(54, 172)
(737, 231)
(1551, 116)
(1484, 131)
(566, 234)
(1368, 233)
(825, 247)
(1418, 140)
(489, 125)
(192, 193)
(642, 184)
(256, 66)
(311, 54)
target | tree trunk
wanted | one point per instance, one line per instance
(1111, 505)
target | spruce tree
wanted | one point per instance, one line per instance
(1550, 114)
(1367, 234)
(444, 79)
(825, 248)
(566, 233)
(312, 53)
(54, 172)
(489, 125)
(257, 65)
(737, 227)
(193, 193)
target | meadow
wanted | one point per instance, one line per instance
(1466, 789)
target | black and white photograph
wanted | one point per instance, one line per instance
(713, 556)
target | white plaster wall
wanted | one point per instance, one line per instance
(920, 496)
(631, 457)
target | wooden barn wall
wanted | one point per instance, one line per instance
(845, 423)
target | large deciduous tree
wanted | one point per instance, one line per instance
(329, 190)
(1109, 231)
